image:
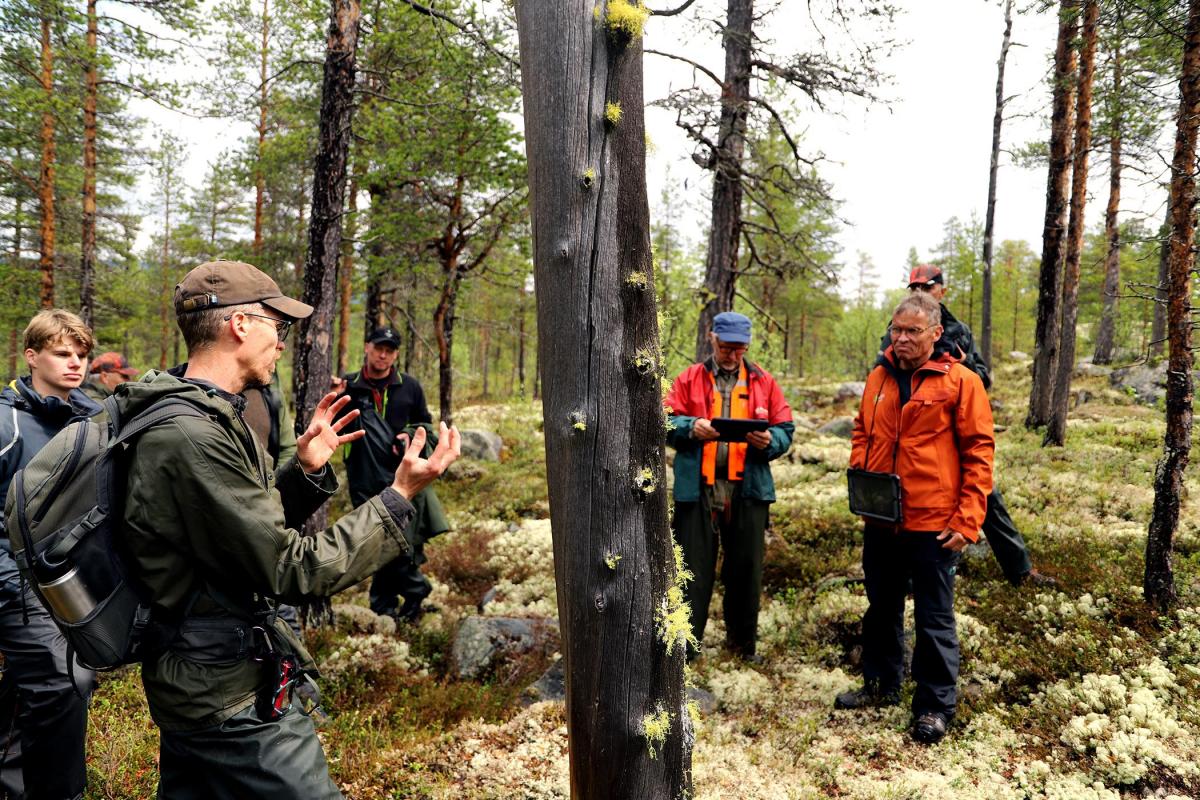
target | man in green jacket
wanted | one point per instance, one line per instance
(212, 534)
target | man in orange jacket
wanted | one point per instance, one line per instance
(723, 489)
(928, 421)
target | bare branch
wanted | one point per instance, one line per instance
(673, 11)
(700, 67)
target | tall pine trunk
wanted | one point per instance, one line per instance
(618, 598)
(47, 176)
(443, 328)
(1056, 428)
(724, 237)
(985, 328)
(313, 364)
(260, 177)
(87, 244)
(1159, 581)
(164, 306)
(1046, 335)
(1106, 333)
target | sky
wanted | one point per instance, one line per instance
(901, 168)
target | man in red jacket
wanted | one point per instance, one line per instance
(928, 421)
(723, 489)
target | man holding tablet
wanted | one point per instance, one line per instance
(728, 420)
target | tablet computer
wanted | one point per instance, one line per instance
(875, 495)
(735, 430)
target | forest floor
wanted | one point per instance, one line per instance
(1073, 693)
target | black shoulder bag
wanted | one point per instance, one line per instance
(875, 495)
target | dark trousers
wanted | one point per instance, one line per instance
(400, 579)
(246, 757)
(890, 561)
(1005, 540)
(43, 719)
(739, 532)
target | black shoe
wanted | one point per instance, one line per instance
(411, 611)
(1038, 580)
(930, 728)
(868, 696)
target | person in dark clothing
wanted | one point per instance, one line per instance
(391, 403)
(1006, 542)
(43, 713)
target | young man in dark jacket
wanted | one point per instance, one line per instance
(723, 489)
(1006, 542)
(212, 532)
(389, 402)
(43, 715)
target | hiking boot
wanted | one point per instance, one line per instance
(869, 696)
(410, 611)
(1038, 580)
(930, 728)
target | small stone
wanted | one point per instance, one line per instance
(481, 445)
(841, 427)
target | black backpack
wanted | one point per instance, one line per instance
(64, 516)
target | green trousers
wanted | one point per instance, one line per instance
(245, 757)
(739, 533)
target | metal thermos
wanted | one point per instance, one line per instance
(68, 596)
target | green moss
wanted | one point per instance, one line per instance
(655, 728)
(612, 113)
(627, 18)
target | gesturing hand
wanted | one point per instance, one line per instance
(323, 435)
(953, 540)
(414, 472)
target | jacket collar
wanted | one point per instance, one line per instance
(752, 369)
(939, 363)
(362, 382)
(51, 408)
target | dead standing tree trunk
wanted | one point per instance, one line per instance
(620, 606)
(1046, 336)
(314, 352)
(1159, 581)
(260, 177)
(46, 182)
(1056, 428)
(1106, 332)
(724, 237)
(985, 328)
(87, 245)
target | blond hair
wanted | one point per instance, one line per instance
(52, 324)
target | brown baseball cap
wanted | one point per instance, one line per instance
(112, 362)
(232, 283)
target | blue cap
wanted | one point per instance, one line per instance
(730, 326)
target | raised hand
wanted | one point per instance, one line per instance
(414, 472)
(324, 432)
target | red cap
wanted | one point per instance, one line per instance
(113, 362)
(925, 275)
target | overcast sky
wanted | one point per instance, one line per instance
(901, 168)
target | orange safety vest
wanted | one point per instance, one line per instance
(739, 399)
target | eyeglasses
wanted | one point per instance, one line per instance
(282, 326)
(896, 332)
(731, 348)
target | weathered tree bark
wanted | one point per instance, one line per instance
(87, 245)
(989, 227)
(521, 342)
(629, 729)
(1158, 322)
(260, 176)
(724, 237)
(1159, 581)
(1046, 336)
(373, 313)
(443, 327)
(313, 364)
(1056, 427)
(46, 182)
(1106, 332)
(346, 280)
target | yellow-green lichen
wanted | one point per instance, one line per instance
(674, 615)
(645, 481)
(693, 710)
(638, 280)
(578, 421)
(612, 113)
(627, 18)
(611, 560)
(655, 728)
(589, 178)
(645, 361)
